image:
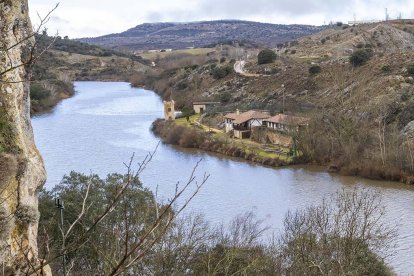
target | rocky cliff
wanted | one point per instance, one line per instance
(21, 167)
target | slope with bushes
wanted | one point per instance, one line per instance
(67, 61)
(356, 84)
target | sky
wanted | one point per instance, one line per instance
(90, 18)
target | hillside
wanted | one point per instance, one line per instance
(363, 116)
(200, 34)
(67, 61)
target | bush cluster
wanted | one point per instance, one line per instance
(360, 57)
(386, 68)
(266, 56)
(220, 72)
(410, 69)
(26, 214)
(38, 92)
(315, 69)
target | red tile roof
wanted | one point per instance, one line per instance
(288, 120)
(246, 116)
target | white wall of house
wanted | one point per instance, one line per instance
(281, 127)
(255, 122)
(199, 108)
(229, 125)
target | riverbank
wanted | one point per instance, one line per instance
(45, 95)
(192, 135)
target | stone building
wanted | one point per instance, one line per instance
(169, 110)
(201, 107)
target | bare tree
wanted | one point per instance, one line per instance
(345, 235)
(136, 235)
(32, 52)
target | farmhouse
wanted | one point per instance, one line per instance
(285, 123)
(201, 107)
(242, 123)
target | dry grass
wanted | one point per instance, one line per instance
(161, 55)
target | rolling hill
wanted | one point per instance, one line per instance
(199, 34)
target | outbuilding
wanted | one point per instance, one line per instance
(201, 107)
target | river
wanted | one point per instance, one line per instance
(105, 123)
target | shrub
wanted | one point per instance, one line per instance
(266, 56)
(386, 68)
(274, 71)
(225, 97)
(360, 57)
(293, 52)
(315, 69)
(218, 73)
(38, 92)
(222, 60)
(26, 214)
(410, 69)
(323, 40)
(190, 138)
(182, 85)
(339, 24)
(221, 72)
(174, 135)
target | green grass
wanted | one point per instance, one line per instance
(184, 122)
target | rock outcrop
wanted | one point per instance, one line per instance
(21, 167)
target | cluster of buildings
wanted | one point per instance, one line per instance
(242, 124)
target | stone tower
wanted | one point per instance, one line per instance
(169, 110)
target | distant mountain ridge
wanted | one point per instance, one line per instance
(199, 34)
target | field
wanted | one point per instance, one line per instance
(157, 55)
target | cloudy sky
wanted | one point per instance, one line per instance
(82, 18)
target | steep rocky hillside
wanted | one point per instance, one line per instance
(359, 88)
(363, 113)
(199, 34)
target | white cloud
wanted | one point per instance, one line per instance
(80, 18)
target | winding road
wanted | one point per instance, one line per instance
(239, 69)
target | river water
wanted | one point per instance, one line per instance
(105, 123)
